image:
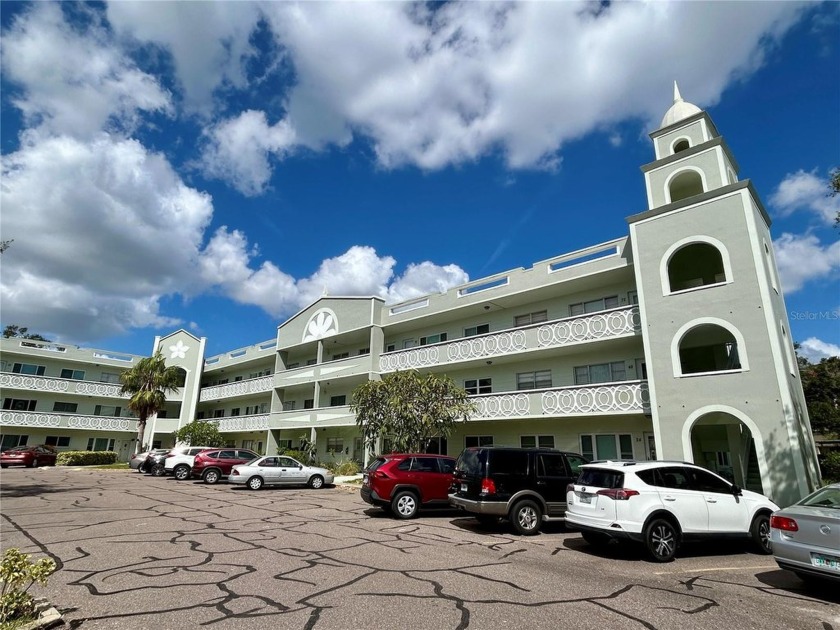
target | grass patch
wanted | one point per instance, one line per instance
(17, 623)
(117, 466)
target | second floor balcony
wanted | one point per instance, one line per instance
(255, 422)
(28, 382)
(48, 420)
(611, 324)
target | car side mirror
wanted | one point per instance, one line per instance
(736, 491)
(300, 466)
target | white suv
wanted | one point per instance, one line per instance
(180, 461)
(662, 504)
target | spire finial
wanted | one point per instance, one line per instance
(677, 96)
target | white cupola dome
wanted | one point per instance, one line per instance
(679, 110)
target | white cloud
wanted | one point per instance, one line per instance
(239, 149)
(815, 349)
(802, 258)
(75, 83)
(806, 191)
(424, 278)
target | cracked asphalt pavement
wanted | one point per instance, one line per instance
(140, 551)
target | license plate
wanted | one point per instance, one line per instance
(463, 487)
(585, 498)
(825, 562)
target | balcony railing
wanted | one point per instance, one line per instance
(257, 422)
(578, 400)
(617, 322)
(45, 420)
(258, 385)
(60, 385)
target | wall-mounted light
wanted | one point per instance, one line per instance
(489, 363)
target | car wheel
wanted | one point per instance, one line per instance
(760, 532)
(255, 483)
(661, 540)
(526, 518)
(596, 539)
(405, 504)
(316, 481)
(211, 476)
(181, 472)
(158, 470)
(4, 465)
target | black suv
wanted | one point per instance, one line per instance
(524, 485)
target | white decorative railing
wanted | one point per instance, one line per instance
(614, 398)
(629, 397)
(616, 322)
(57, 420)
(60, 385)
(596, 326)
(257, 385)
(244, 423)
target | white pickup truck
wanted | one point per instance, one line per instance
(179, 463)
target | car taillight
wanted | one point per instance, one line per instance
(784, 523)
(618, 494)
(379, 475)
(488, 486)
(570, 488)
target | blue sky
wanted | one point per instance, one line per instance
(218, 166)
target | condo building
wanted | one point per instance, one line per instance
(670, 342)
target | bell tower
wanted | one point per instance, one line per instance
(724, 384)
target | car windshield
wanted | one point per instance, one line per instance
(825, 497)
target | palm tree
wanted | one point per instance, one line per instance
(148, 382)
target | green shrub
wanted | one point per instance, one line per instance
(301, 456)
(344, 467)
(830, 467)
(17, 575)
(86, 458)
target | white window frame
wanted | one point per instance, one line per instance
(527, 319)
(474, 386)
(594, 306)
(534, 378)
(480, 440)
(540, 441)
(593, 453)
(472, 331)
(612, 365)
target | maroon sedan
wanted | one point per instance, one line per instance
(28, 456)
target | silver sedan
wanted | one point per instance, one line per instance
(806, 535)
(279, 470)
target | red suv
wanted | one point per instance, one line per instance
(402, 483)
(212, 465)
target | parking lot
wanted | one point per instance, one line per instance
(139, 551)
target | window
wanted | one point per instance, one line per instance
(540, 379)
(530, 318)
(292, 366)
(100, 444)
(338, 401)
(335, 445)
(708, 348)
(685, 185)
(340, 355)
(57, 440)
(65, 407)
(199, 415)
(234, 411)
(219, 413)
(707, 482)
(481, 329)
(11, 441)
(311, 361)
(607, 446)
(600, 373)
(309, 403)
(236, 379)
(681, 145)
(536, 441)
(478, 440)
(408, 343)
(249, 444)
(28, 368)
(18, 404)
(106, 410)
(695, 265)
(110, 377)
(390, 347)
(289, 405)
(593, 306)
(478, 386)
(632, 297)
(551, 465)
(435, 445)
(284, 445)
(77, 375)
(438, 338)
(161, 413)
(363, 351)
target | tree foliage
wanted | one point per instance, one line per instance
(409, 408)
(200, 433)
(22, 332)
(821, 384)
(834, 187)
(147, 383)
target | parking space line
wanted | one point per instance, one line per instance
(755, 568)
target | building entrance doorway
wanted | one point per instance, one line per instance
(725, 445)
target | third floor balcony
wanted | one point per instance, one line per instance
(612, 324)
(237, 389)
